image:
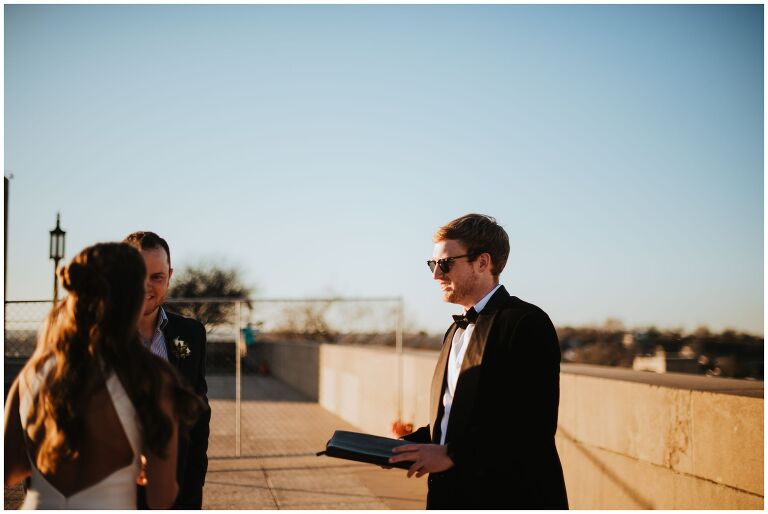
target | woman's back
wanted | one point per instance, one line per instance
(70, 426)
(104, 473)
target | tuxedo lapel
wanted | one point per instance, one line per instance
(476, 349)
(469, 376)
(438, 379)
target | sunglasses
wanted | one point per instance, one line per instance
(444, 264)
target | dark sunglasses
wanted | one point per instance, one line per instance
(445, 264)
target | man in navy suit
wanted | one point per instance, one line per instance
(180, 341)
(495, 391)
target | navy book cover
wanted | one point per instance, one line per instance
(368, 448)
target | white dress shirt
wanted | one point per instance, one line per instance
(459, 346)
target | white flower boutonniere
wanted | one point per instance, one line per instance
(180, 349)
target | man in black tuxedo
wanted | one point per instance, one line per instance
(490, 443)
(181, 341)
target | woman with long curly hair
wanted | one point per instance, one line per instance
(92, 399)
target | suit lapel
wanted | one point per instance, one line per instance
(438, 379)
(474, 355)
(469, 377)
(170, 333)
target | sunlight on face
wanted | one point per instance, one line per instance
(158, 278)
(459, 283)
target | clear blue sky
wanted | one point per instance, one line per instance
(319, 147)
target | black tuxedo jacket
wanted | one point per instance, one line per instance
(501, 430)
(193, 443)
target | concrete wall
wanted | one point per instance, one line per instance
(627, 439)
(628, 444)
(296, 364)
(360, 384)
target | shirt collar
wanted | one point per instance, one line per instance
(162, 319)
(482, 303)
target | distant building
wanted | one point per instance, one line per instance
(663, 362)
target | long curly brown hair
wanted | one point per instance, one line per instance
(95, 330)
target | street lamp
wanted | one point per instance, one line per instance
(57, 253)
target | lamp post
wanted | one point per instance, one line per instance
(5, 240)
(57, 253)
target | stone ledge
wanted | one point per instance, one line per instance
(733, 386)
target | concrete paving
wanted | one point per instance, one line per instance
(281, 431)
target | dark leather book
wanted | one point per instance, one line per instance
(364, 448)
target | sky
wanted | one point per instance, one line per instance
(320, 147)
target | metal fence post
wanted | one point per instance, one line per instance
(399, 353)
(238, 307)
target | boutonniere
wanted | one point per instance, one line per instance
(180, 349)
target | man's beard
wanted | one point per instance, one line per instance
(461, 291)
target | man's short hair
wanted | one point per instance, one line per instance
(479, 234)
(148, 241)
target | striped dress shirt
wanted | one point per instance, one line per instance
(157, 344)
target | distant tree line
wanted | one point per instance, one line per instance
(728, 353)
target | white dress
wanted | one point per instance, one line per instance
(115, 491)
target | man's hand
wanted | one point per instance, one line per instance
(429, 458)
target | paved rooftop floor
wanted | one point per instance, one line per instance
(281, 431)
(278, 469)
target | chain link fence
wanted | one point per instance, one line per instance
(23, 320)
(234, 329)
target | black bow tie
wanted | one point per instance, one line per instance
(464, 320)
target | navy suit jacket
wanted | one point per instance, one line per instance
(193, 443)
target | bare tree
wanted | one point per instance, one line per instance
(306, 320)
(208, 280)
